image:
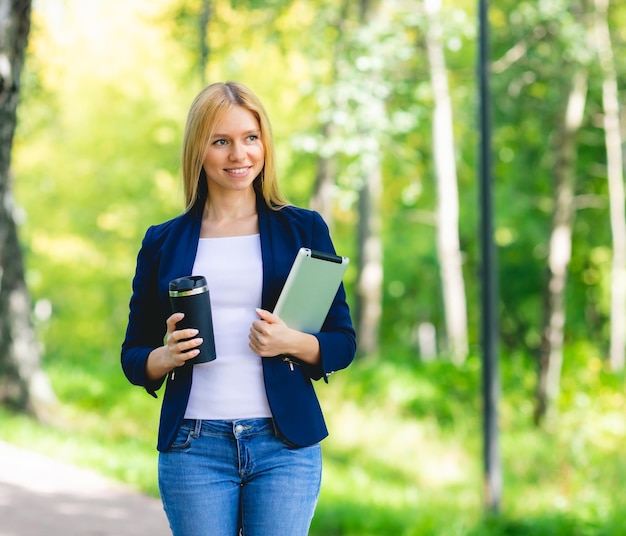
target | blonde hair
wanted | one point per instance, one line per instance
(205, 113)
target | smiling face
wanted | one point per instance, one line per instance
(235, 155)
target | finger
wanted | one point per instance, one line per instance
(180, 335)
(260, 328)
(271, 318)
(257, 338)
(187, 345)
(189, 354)
(255, 335)
(184, 350)
(173, 320)
(183, 334)
(257, 349)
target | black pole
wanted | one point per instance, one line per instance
(489, 327)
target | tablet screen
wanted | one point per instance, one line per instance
(310, 289)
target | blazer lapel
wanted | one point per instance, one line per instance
(267, 250)
(179, 250)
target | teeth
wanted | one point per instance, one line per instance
(239, 171)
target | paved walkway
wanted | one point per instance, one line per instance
(40, 496)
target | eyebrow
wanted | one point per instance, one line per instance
(246, 133)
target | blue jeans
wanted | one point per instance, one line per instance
(223, 477)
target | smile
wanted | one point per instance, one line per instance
(238, 171)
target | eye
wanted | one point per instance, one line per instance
(252, 137)
(220, 142)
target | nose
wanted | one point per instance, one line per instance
(237, 152)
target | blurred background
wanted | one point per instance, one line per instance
(374, 107)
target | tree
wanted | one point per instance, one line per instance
(448, 247)
(551, 359)
(326, 169)
(189, 23)
(353, 124)
(615, 175)
(23, 384)
(369, 238)
(554, 186)
(205, 50)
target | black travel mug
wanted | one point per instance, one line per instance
(190, 295)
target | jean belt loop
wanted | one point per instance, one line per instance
(277, 433)
(197, 428)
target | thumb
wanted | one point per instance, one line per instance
(270, 318)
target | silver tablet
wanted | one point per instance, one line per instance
(310, 289)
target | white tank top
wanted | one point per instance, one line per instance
(231, 387)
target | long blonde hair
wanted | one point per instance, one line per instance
(205, 113)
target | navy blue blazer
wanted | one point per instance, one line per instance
(168, 251)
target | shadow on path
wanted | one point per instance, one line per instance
(40, 496)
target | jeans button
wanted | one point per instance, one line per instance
(238, 429)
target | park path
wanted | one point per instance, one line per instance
(41, 496)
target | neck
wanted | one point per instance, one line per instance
(230, 206)
(230, 215)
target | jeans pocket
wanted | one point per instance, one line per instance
(183, 439)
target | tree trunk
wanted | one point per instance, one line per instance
(325, 177)
(23, 385)
(448, 244)
(205, 50)
(322, 198)
(551, 358)
(370, 257)
(615, 175)
(370, 247)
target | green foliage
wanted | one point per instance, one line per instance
(404, 451)
(104, 100)
(96, 156)
(529, 96)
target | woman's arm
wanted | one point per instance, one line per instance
(180, 346)
(270, 336)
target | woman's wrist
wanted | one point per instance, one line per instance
(305, 347)
(157, 364)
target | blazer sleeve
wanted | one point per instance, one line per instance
(146, 327)
(337, 337)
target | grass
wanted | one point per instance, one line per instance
(405, 450)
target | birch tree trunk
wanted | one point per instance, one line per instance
(325, 177)
(448, 244)
(551, 358)
(370, 247)
(370, 255)
(23, 385)
(615, 175)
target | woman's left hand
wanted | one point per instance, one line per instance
(270, 336)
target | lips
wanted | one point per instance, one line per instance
(238, 171)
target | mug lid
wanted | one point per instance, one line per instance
(188, 286)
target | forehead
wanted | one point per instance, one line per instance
(237, 119)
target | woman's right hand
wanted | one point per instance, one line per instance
(180, 346)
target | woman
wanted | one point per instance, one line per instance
(239, 436)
